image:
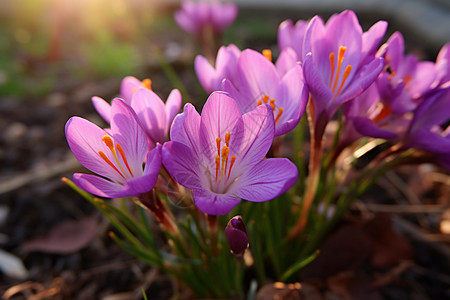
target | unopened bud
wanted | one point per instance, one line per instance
(237, 236)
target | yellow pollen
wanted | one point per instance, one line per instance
(265, 98)
(227, 139)
(217, 165)
(267, 54)
(106, 159)
(232, 160)
(280, 112)
(272, 104)
(124, 158)
(218, 140)
(147, 83)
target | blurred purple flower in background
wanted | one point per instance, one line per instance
(197, 16)
(220, 155)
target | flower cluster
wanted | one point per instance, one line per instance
(330, 71)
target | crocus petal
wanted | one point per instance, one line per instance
(267, 180)
(97, 185)
(127, 87)
(182, 164)
(258, 74)
(85, 141)
(185, 128)
(429, 141)
(129, 134)
(286, 61)
(219, 116)
(151, 112)
(258, 134)
(206, 73)
(102, 107)
(172, 108)
(372, 38)
(214, 204)
(146, 182)
(292, 95)
(366, 127)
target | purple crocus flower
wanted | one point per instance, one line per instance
(155, 116)
(426, 131)
(127, 88)
(196, 17)
(443, 66)
(338, 60)
(291, 36)
(220, 155)
(258, 81)
(211, 78)
(117, 155)
(405, 79)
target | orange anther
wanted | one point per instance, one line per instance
(218, 140)
(265, 98)
(122, 153)
(232, 160)
(147, 83)
(227, 139)
(272, 104)
(280, 112)
(106, 159)
(267, 54)
(332, 68)
(108, 141)
(217, 165)
(347, 71)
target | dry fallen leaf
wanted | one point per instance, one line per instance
(67, 237)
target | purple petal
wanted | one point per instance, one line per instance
(129, 134)
(429, 141)
(186, 127)
(206, 74)
(128, 86)
(258, 134)
(267, 180)
(286, 61)
(182, 164)
(366, 127)
(172, 107)
(97, 185)
(85, 141)
(372, 38)
(214, 204)
(151, 112)
(219, 116)
(102, 107)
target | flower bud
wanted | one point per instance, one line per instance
(237, 236)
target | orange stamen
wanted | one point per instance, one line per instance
(227, 139)
(106, 159)
(233, 159)
(108, 142)
(272, 104)
(392, 76)
(407, 79)
(147, 83)
(124, 158)
(280, 112)
(265, 98)
(384, 112)
(259, 102)
(332, 68)
(347, 71)
(225, 152)
(218, 140)
(340, 60)
(217, 165)
(267, 54)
